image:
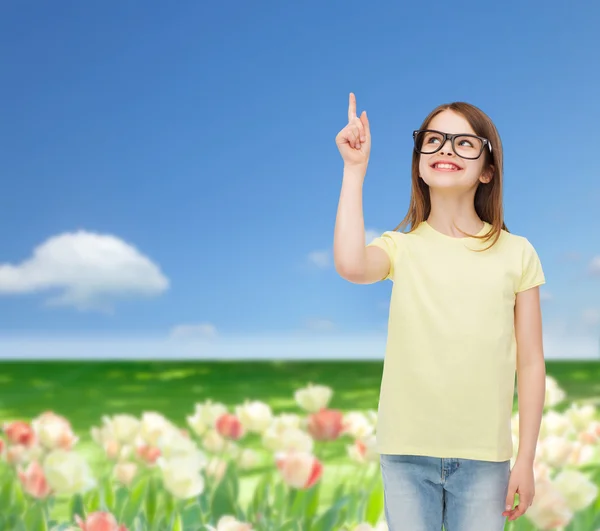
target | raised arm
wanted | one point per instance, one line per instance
(354, 261)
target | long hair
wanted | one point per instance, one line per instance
(488, 196)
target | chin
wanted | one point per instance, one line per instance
(442, 181)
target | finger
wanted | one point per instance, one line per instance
(361, 129)
(365, 121)
(351, 107)
(351, 136)
(518, 512)
(356, 132)
(510, 499)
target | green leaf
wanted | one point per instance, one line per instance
(132, 506)
(108, 494)
(92, 501)
(6, 492)
(225, 497)
(177, 524)
(291, 525)
(374, 505)
(168, 504)
(333, 517)
(18, 504)
(312, 504)
(121, 497)
(296, 502)
(151, 501)
(34, 518)
(192, 516)
(260, 498)
(77, 507)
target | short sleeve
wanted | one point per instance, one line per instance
(532, 274)
(388, 242)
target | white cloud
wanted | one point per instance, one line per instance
(193, 331)
(590, 316)
(595, 266)
(89, 270)
(545, 295)
(323, 259)
(371, 234)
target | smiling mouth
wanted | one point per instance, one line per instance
(445, 167)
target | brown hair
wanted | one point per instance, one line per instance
(488, 196)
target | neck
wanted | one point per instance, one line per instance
(449, 208)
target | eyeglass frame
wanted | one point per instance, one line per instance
(448, 136)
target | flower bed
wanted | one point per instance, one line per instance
(211, 475)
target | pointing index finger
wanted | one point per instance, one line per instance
(351, 107)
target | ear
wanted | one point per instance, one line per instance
(487, 175)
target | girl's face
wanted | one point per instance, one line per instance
(469, 172)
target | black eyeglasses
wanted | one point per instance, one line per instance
(428, 141)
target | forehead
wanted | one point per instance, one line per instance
(450, 122)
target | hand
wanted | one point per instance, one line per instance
(522, 481)
(354, 140)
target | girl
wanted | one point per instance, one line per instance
(464, 316)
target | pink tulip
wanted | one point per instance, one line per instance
(228, 425)
(148, 453)
(300, 470)
(20, 432)
(33, 481)
(16, 454)
(326, 424)
(99, 521)
(112, 448)
(361, 447)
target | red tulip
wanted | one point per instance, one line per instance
(326, 424)
(228, 425)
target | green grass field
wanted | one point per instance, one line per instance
(83, 391)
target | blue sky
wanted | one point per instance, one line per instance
(171, 179)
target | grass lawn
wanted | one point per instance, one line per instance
(83, 391)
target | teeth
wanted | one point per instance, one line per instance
(446, 166)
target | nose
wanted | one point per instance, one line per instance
(449, 150)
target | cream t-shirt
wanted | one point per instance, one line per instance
(449, 369)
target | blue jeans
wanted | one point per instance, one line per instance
(421, 493)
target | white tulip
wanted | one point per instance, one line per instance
(581, 416)
(68, 473)
(229, 523)
(555, 450)
(549, 509)
(182, 477)
(205, 416)
(54, 431)
(357, 425)
(216, 468)
(248, 458)
(255, 416)
(153, 426)
(313, 397)
(214, 442)
(577, 489)
(124, 428)
(284, 421)
(124, 472)
(554, 394)
(173, 443)
(582, 454)
(554, 423)
(287, 440)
